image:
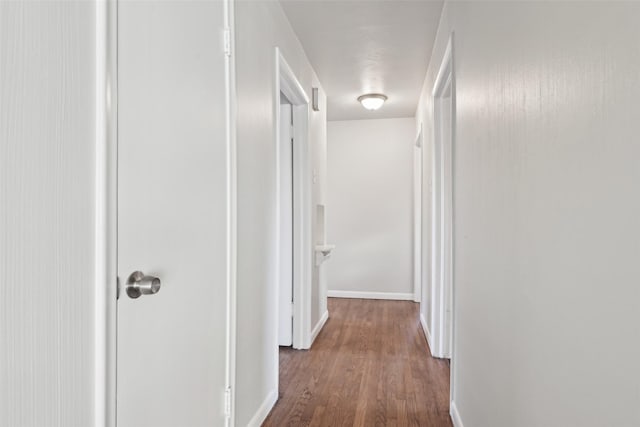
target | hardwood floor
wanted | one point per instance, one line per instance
(370, 366)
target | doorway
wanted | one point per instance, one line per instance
(442, 215)
(294, 248)
(285, 285)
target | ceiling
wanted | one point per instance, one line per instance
(364, 46)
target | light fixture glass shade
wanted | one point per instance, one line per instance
(372, 101)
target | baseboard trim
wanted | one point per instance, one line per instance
(264, 409)
(319, 326)
(371, 295)
(427, 334)
(455, 415)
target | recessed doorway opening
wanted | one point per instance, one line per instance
(442, 295)
(293, 200)
(442, 210)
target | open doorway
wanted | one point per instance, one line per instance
(294, 249)
(285, 285)
(442, 209)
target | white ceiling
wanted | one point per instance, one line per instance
(364, 46)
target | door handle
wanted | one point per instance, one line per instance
(139, 284)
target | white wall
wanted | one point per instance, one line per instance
(370, 214)
(47, 198)
(260, 27)
(547, 254)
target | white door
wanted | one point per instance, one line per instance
(172, 214)
(285, 300)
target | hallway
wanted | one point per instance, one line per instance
(370, 366)
(221, 213)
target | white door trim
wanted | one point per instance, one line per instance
(417, 218)
(443, 346)
(438, 300)
(287, 83)
(285, 232)
(232, 193)
(106, 278)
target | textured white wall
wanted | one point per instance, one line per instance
(370, 213)
(547, 254)
(260, 27)
(47, 164)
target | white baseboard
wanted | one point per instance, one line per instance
(434, 352)
(455, 415)
(371, 295)
(319, 326)
(427, 334)
(264, 409)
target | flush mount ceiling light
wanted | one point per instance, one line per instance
(372, 101)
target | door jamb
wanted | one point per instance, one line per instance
(446, 76)
(418, 268)
(232, 192)
(105, 228)
(287, 83)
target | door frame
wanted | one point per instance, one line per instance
(228, 38)
(285, 230)
(287, 82)
(417, 217)
(445, 79)
(106, 214)
(442, 227)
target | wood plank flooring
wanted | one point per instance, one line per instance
(370, 366)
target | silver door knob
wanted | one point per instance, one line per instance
(139, 284)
